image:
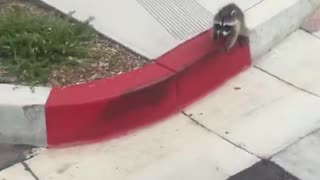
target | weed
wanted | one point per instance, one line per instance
(32, 45)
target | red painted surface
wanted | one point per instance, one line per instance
(188, 53)
(312, 23)
(208, 74)
(200, 68)
(111, 107)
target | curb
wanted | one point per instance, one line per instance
(270, 22)
(22, 116)
(73, 115)
(312, 23)
(89, 112)
(140, 97)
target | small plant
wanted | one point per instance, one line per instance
(32, 45)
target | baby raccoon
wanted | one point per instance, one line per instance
(229, 23)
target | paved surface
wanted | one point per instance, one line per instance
(299, 64)
(263, 105)
(12, 154)
(264, 170)
(165, 150)
(302, 158)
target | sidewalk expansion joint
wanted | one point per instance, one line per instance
(310, 33)
(225, 139)
(286, 82)
(294, 142)
(254, 5)
(27, 168)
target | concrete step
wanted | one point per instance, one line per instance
(272, 21)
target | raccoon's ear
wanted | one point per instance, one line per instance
(233, 12)
(215, 16)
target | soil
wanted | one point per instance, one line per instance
(109, 57)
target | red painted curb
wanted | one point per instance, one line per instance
(199, 69)
(312, 23)
(113, 106)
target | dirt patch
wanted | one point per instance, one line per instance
(93, 58)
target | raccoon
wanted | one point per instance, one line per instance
(229, 23)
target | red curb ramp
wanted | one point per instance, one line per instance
(111, 107)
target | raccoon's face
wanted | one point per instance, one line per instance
(223, 23)
(222, 30)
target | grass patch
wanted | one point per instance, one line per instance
(32, 45)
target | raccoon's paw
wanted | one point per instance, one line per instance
(224, 50)
(214, 41)
(242, 41)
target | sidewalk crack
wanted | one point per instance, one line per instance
(27, 168)
(310, 33)
(225, 139)
(286, 82)
(295, 142)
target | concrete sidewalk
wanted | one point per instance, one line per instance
(270, 111)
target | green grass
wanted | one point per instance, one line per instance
(31, 44)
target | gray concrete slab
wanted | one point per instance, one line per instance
(12, 154)
(302, 158)
(264, 170)
(264, 116)
(296, 61)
